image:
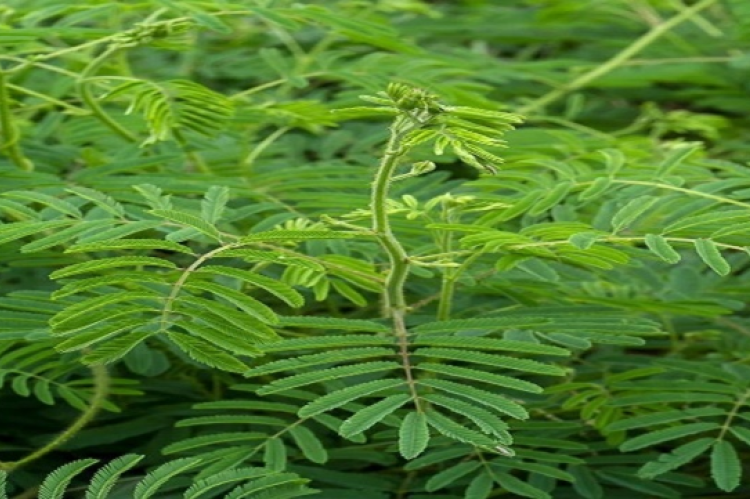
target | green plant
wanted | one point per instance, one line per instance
(223, 268)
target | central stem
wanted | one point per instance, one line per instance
(394, 301)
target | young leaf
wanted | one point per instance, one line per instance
(214, 202)
(103, 201)
(188, 220)
(631, 211)
(598, 187)
(661, 248)
(614, 160)
(299, 235)
(711, 256)
(553, 197)
(676, 157)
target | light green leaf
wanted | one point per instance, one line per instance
(55, 484)
(111, 263)
(626, 215)
(106, 478)
(214, 203)
(661, 248)
(711, 256)
(556, 195)
(676, 157)
(299, 235)
(614, 160)
(151, 483)
(598, 187)
(188, 220)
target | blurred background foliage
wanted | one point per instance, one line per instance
(187, 94)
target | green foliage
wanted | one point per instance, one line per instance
(270, 250)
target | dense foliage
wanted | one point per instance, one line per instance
(375, 249)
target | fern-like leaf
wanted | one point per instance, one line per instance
(319, 376)
(482, 397)
(150, 484)
(56, 483)
(502, 361)
(111, 263)
(365, 418)
(277, 288)
(338, 398)
(170, 106)
(680, 456)
(102, 482)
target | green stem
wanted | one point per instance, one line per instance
(262, 146)
(733, 414)
(394, 301)
(10, 140)
(447, 290)
(448, 284)
(84, 90)
(101, 389)
(620, 58)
